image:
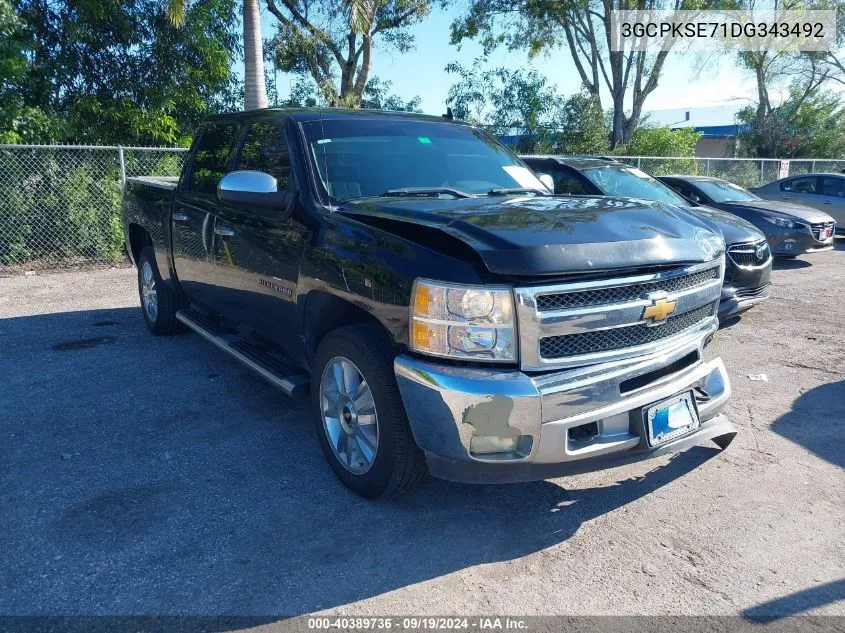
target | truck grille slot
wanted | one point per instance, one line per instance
(746, 254)
(822, 230)
(581, 323)
(622, 294)
(619, 338)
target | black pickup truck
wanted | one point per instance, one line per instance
(446, 313)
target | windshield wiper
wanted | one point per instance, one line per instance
(513, 190)
(425, 191)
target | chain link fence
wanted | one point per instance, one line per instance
(60, 204)
(746, 172)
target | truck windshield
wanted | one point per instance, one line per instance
(630, 182)
(724, 191)
(360, 157)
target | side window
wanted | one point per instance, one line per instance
(686, 191)
(833, 187)
(567, 183)
(213, 152)
(801, 185)
(265, 149)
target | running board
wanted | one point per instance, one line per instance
(262, 363)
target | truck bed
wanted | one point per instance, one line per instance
(146, 203)
(160, 182)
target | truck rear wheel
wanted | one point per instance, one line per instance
(359, 416)
(158, 302)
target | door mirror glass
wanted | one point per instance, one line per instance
(696, 199)
(547, 180)
(253, 189)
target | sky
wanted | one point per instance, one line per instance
(421, 71)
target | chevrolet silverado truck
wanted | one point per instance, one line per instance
(447, 314)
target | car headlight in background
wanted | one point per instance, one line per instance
(472, 323)
(781, 222)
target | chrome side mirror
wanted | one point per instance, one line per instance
(254, 189)
(547, 180)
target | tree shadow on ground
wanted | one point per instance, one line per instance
(817, 422)
(155, 475)
(799, 602)
(782, 263)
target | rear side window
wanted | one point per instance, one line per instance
(212, 155)
(833, 187)
(801, 185)
(265, 149)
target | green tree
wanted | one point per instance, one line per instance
(655, 140)
(333, 41)
(583, 28)
(804, 125)
(377, 96)
(506, 101)
(254, 85)
(113, 72)
(582, 128)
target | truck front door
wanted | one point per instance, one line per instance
(194, 210)
(257, 251)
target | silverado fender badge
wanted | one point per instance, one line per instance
(657, 312)
(274, 286)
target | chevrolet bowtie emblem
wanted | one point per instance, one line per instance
(658, 310)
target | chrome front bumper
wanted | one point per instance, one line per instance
(449, 406)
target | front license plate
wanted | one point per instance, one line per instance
(671, 419)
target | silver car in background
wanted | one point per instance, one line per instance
(825, 192)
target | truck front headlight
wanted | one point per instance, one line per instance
(468, 322)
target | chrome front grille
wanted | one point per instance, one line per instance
(619, 338)
(753, 254)
(581, 323)
(622, 294)
(822, 230)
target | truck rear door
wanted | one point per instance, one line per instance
(194, 209)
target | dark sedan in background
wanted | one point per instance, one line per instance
(791, 228)
(749, 262)
(825, 192)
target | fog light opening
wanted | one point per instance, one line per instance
(584, 433)
(513, 446)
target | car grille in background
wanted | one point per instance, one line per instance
(622, 294)
(746, 254)
(821, 228)
(619, 338)
(754, 293)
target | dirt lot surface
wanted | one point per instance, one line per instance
(144, 475)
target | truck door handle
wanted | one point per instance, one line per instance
(180, 216)
(828, 202)
(225, 231)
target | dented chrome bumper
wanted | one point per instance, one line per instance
(552, 424)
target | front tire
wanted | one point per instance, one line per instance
(359, 415)
(158, 302)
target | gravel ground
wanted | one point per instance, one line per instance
(144, 475)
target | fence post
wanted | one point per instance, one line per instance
(639, 162)
(762, 173)
(813, 168)
(707, 167)
(122, 168)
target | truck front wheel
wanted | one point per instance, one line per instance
(359, 415)
(158, 302)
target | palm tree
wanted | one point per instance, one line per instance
(255, 91)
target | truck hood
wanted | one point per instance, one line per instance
(528, 235)
(783, 209)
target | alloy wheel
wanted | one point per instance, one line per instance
(349, 415)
